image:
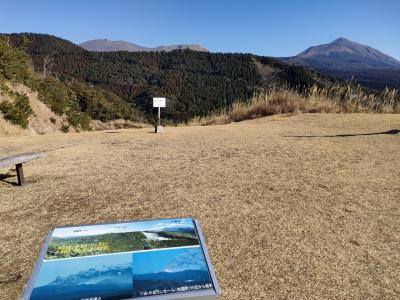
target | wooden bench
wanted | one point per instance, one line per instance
(18, 160)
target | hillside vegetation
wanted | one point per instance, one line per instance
(195, 83)
(77, 103)
(333, 99)
(81, 86)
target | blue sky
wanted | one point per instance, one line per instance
(51, 269)
(275, 28)
(168, 260)
(152, 225)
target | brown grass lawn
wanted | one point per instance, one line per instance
(284, 217)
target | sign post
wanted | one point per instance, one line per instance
(159, 102)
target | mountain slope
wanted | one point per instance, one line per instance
(348, 59)
(195, 83)
(42, 120)
(108, 45)
(344, 54)
(40, 102)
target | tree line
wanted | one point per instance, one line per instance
(194, 83)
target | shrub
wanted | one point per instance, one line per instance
(55, 94)
(79, 120)
(64, 128)
(17, 112)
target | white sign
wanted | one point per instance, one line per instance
(158, 102)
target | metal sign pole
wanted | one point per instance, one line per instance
(159, 116)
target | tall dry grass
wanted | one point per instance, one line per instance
(116, 124)
(334, 99)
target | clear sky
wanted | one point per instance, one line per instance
(51, 269)
(152, 225)
(171, 260)
(275, 28)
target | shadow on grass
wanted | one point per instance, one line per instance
(389, 132)
(10, 278)
(3, 178)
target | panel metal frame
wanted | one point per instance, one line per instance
(206, 294)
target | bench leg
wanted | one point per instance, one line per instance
(20, 174)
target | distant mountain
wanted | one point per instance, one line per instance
(110, 282)
(184, 229)
(195, 83)
(351, 60)
(108, 45)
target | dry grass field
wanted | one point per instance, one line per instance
(292, 207)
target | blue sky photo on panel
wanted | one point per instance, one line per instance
(105, 276)
(153, 225)
(169, 271)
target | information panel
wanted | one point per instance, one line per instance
(148, 259)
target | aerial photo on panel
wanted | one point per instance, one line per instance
(125, 237)
(169, 271)
(108, 277)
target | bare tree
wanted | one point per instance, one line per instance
(47, 64)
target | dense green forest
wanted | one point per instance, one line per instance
(78, 100)
(117, 242)
(194, 83)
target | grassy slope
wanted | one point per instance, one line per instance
(40, 120)
(284, 216)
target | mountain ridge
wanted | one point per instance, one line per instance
(343, 45)
(351, 60)
(111, 46)
(195, 83)
(105, 86)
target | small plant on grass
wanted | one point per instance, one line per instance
(64, 128)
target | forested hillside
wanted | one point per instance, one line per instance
(195, 83)
(76, 101)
